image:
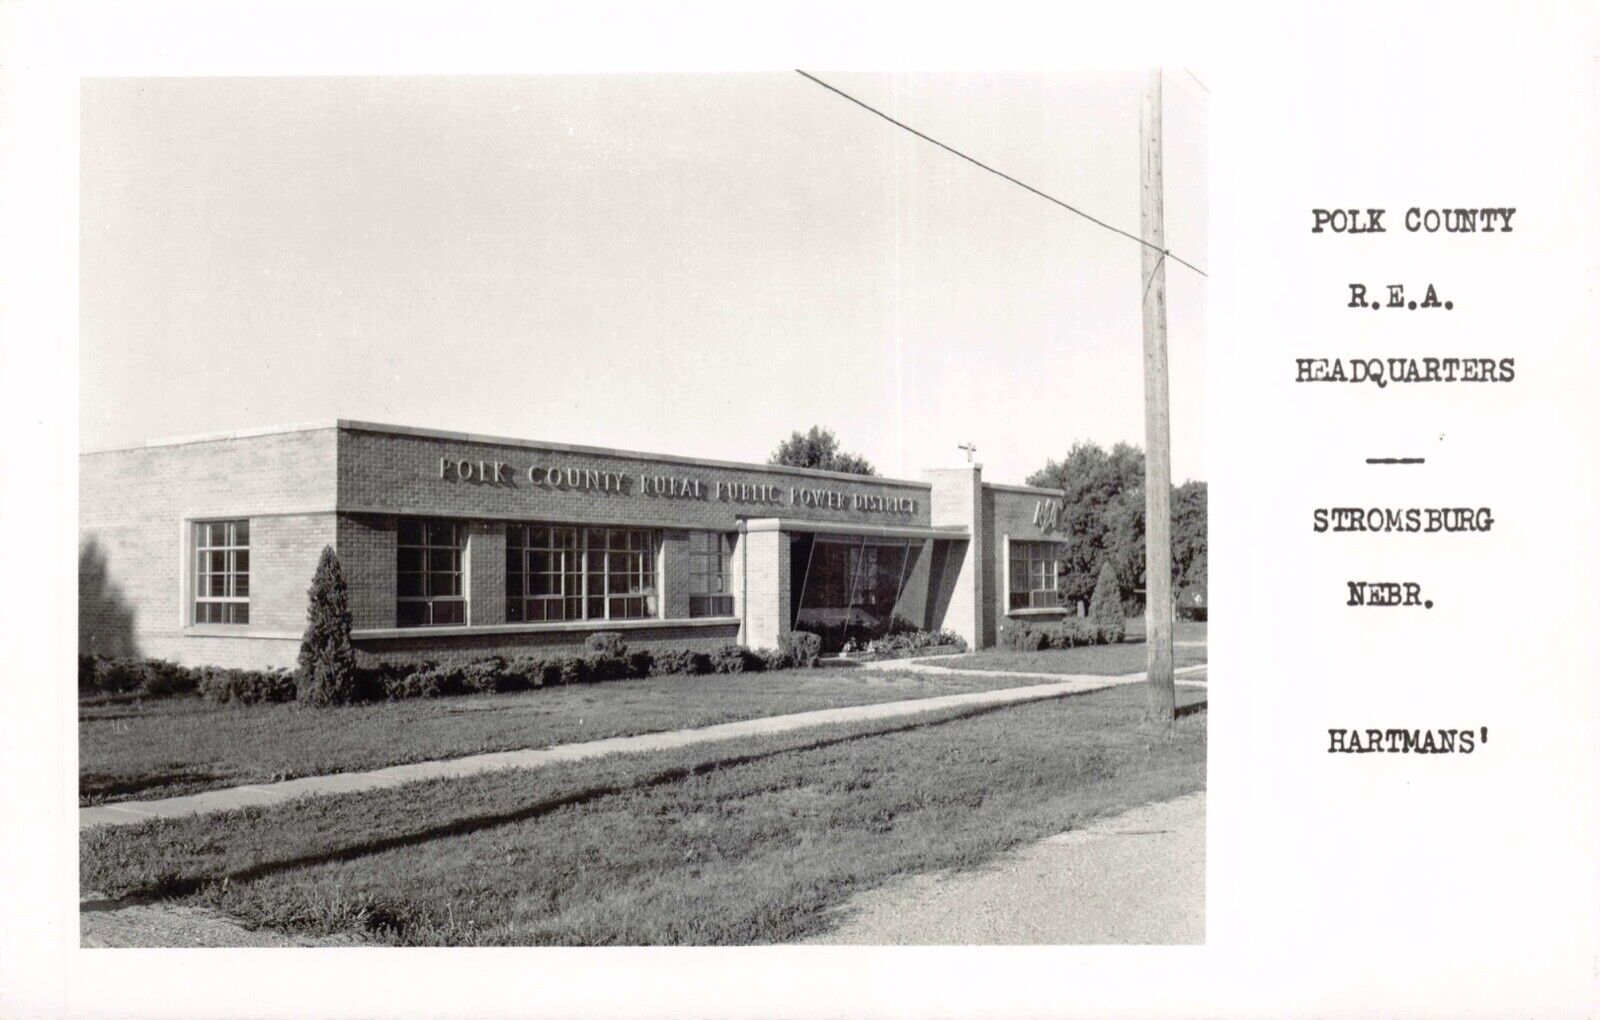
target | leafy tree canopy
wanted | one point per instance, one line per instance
(1103, 517)
(819, 448)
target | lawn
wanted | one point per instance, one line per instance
(755, 841)
(1095, 660)
(174, 746)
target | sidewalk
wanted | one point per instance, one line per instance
(1137, 878)
(130, 812)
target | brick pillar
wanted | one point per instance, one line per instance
(486, 573)
(957, 501)
(765, 558)
(673, 584)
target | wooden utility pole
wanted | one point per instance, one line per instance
(1161, 697)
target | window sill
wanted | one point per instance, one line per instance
(555, 627)
(1057, 611)
(238, 630)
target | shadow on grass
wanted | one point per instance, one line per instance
(94, 787)
(1191, 709)
(173, 886)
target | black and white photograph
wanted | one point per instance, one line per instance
(641, 510)
(706, 511)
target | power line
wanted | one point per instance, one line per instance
(998, 173)
(1197, 81)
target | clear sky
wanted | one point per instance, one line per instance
(684, 264)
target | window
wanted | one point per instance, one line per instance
(1035, 575)
(429, 574)
(544, 573)
(222, 572)
(709, 556)
(565, 573)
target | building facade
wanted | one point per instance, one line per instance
(201, 550)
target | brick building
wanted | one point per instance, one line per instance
(201, 549)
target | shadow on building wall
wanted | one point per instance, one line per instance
(105, 619)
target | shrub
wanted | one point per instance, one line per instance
(772, 658)
(679, 661)
(945, 638)
(801, 648)
(161, 678)
(426, 681)
(246, 686)
(118, 676)
(639, 662)
(572, 669)
(531, 672)
(490, 676)
(733, 659)
(327, 674)
(1105, 605)
(606, 642)
(88, 672)
(600, 667)
(1022, 637)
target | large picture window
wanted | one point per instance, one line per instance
(222, 572)
(429, 574)
(710, 594)
(1035, 575)
(566, 573)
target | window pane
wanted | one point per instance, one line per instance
(241, 585)
(411, 614)
(441, 534)
(409, 584)
(410, 532)
(449, 612)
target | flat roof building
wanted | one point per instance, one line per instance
(202, 549)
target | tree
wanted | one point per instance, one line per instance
(1103, 517)
(819, 448)
(327, 674)
(1106, 604)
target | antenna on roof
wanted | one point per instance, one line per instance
(970, 448)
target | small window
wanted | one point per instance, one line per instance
(428, 574)
(222, 572)
(710, 554)
(1035, 575)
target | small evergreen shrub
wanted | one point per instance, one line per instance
(1022, 638)
(327, 673)
(772, 658)
(731, 659)
(679, 662)
(1105, 605)
(161, 678)
(606, 642)
(531, 672)
(246, 686)
(489, 676)
(800, 648)
(640, 662)
(601, 667)
(572, 669)
(119, 676)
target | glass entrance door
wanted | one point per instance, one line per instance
(852, 588)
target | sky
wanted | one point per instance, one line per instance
(689, 264)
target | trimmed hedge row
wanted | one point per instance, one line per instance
(606, 656)
(917, 640)
(1074, 632)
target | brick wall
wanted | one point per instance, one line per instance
(1010, 514)
(134, 563)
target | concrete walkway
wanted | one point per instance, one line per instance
(130, 812)
(1137, 878)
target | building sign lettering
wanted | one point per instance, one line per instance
(669, 486)
(1047, 514)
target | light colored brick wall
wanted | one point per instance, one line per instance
(134, 558)
(766, 588)
(956, 500)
